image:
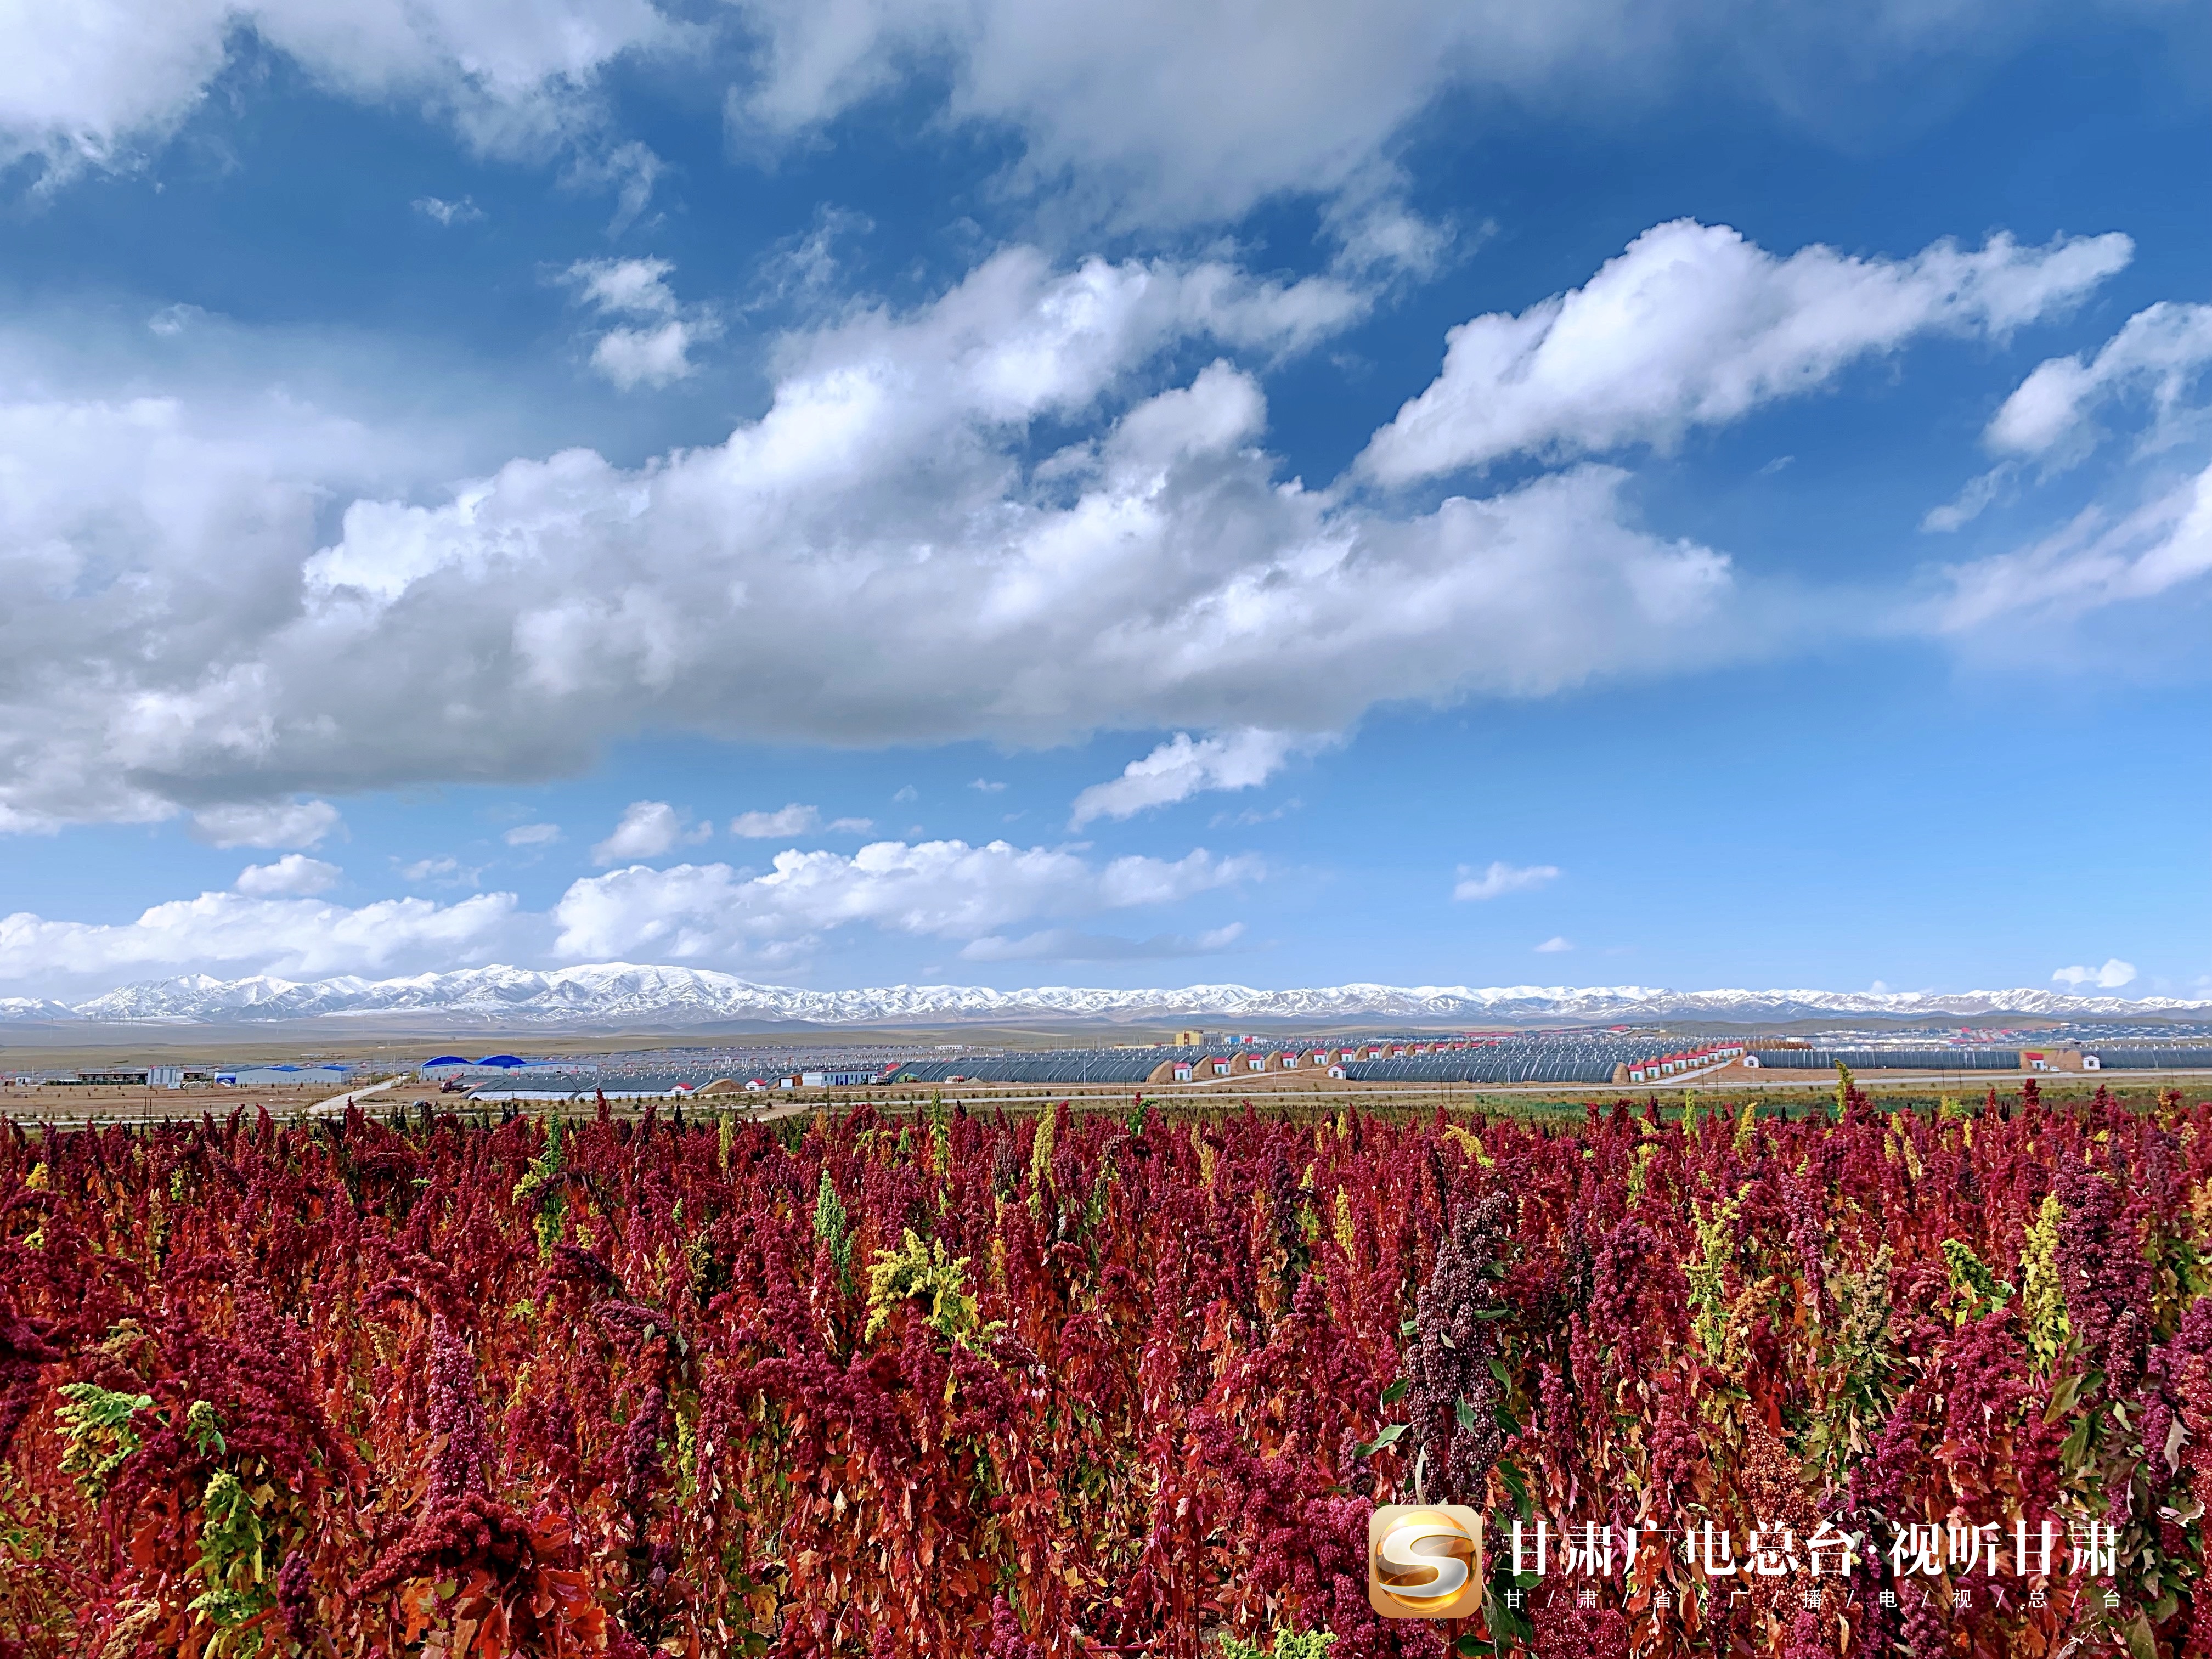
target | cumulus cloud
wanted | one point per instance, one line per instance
(1501, 878)
(947, 888)
(632, 357)
(2109, 977)
(631, 287)
(293, 876)
(1072, 945)
(1693, 326)
(1157, 572)
(533, 835)
(273, 923)
(2160, 353)
(1179, 768)
(647, 829)
(266, 824)
(94, 82)
(300, 937)
(657, 351)
(792, 820)
(151, 518)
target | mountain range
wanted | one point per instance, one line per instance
(622, 996)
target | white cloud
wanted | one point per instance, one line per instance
(1501, 878)
(2114, 550)
(95, 81)
(631, 168)
(1380, 238)
(1555, 946)
(1693, 326)
(302, 937)
(449, 213)
(1070, 945)
(947, 888)
(632, 357)
(273, 923)
(2160, 352)
(293, 876)
(804, 269)
(444, 872)
(1967, 505)
(1135, 106)
(2093, 560)
(1179, 111)
(2109, 977)
(988, 786)
(647, 829)
(172, 320)
(266, 824)
(157, 517)
(533, 835)
(1159, 574)
(657, 353)
(792, 820)
(906, 792)
(1122, 114)
(630, 288)
(1252, 815)
(1180, 769)
(849, 826)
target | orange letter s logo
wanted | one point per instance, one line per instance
(1425, 1561)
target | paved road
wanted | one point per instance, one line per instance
(336, 1105)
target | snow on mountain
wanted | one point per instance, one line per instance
(34, 1008)
(620, 995)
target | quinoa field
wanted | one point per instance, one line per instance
(1108, 1381)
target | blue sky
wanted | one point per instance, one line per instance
(1685, 496)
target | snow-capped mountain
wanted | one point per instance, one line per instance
(622, 995)
(34, 1008)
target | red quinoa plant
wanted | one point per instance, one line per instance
(1086, 1383)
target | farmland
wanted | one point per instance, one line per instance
(1094, 1380)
